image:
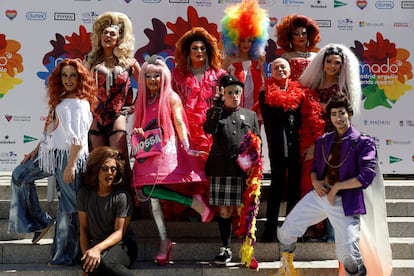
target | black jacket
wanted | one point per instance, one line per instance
(228, 128)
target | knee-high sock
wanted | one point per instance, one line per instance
(158, 218)
(167, 194)
(225, 226)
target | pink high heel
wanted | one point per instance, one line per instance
(162, 258)
(208, 214)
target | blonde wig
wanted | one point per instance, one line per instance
(125, 45)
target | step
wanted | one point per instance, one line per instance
(399, 189)
(203, 268)
(201, 243)
(399, 227)
(395, 208)
(23, 251)
(179, 268)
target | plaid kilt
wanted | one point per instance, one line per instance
(226, 190)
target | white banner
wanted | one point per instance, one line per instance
(35, 35)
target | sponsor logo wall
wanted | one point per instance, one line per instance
(36, 35)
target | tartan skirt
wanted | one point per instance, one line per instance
(227, 190)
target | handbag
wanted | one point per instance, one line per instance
(147, 145)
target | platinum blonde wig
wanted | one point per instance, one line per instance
(126, 41)
(348, 78)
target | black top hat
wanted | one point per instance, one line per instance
(227, 80)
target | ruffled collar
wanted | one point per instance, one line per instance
(286, 99)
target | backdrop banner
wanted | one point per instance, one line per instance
(36, 35)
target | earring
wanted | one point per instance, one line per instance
(290, 45)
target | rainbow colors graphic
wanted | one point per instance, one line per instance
(385, 71)
(11, 63)
(74, 46)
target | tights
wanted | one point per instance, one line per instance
(161, 192)
(225, 226)
(156, 193)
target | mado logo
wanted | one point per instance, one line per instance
(384, 71)
(40, 16)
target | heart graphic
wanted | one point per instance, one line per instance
(273, 21)
(362, 4)
(11, 14)
(8, 117)
(127, 1)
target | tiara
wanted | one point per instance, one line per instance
(151, 59)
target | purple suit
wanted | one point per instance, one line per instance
(360, 154)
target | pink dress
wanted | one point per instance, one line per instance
(196, 97)
(172, 167)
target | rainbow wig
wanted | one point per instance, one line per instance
(245, 20)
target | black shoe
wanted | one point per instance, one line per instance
(40, 234)
(224, 256)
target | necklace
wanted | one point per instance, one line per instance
(152, 98)
(303, 54)
(332, 165)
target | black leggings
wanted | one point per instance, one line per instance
(117, 259)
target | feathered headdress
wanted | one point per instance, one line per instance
(245, 20)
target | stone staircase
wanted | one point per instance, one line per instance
(195, 243)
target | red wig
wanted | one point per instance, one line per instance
(86, 85)
(288, 25)
(183, 45)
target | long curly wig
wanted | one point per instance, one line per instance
(96, 159)
(126, 40)
(183, 48)
(86, 85)
(288, 25)
(245, 20)
(348, 79)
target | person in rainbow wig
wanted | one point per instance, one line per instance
(244, 37)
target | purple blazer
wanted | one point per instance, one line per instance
(361, 158)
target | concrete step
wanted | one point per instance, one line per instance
(23, 251)
(398, 189)
(179, 268)
(199, 264)
(399, 227)
(205, 243)
(395, 208)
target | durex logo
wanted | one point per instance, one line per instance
(39, 16)
(384, 4)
